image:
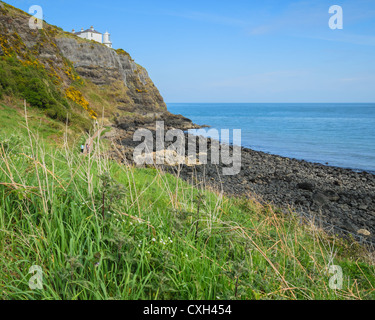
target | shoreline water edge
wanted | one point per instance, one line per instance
(336, 134)
(340, 200)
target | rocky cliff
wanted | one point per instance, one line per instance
(74, 75)
(105, 66)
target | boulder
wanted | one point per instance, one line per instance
(305, 186)
(364, 232)
(331, 195)
(320, 199)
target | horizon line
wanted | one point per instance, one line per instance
(274, 102)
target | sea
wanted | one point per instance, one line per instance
(337, 134)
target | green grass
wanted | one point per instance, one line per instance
(103, 230)
(13, 121)
(50, 131)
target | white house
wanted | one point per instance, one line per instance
(92, 34)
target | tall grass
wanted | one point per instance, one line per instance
(101, 229)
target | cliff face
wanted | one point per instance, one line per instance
(77, 79)
(105, 66)
(29, 46)
(105, 80)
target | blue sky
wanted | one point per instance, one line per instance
(236, 51)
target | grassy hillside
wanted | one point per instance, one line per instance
(101, 230)
(104, 230)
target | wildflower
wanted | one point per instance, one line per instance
(153, 239)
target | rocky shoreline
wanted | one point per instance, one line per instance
(339, 197)
(333, 196)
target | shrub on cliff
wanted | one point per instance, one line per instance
(30, 81)
(35, 92)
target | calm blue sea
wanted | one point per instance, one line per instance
(341, 134)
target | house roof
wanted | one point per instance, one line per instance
(87, 31)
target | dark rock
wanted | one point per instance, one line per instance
(332, 196)
(305, 186)
(337, 183)
(349, 225)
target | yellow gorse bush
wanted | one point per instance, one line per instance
(69, 72)
(76, 96)
(4, 44)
